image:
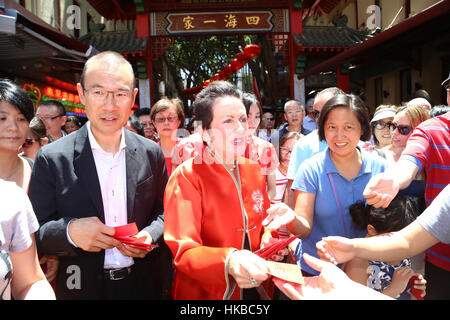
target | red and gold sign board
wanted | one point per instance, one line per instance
(219, 22)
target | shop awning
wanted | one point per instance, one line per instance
(430, 25)
(31, 48)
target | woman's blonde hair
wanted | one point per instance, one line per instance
(415, 114)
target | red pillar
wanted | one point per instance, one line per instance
(142, 25)
(296, 23)
(343, 80)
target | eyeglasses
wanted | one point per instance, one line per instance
(380, 125)
(285, 150)
(269, 119)
(403, 130)
(315, 114)
(169, 119)
(51, 118)
(100, 95)
(28, 142)
(291, 113)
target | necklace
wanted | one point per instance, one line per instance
(12, 173)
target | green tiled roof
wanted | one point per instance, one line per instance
(120, 41)
(328, 36)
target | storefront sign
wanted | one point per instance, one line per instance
(230, 21)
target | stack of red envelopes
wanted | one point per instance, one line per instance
(125, 234)
(272, 249)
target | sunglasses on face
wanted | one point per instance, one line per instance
(169, 119)
(403, 130)
(285, 150)
(314, 114)
(381, 125)
(28, 142)
(269, 119)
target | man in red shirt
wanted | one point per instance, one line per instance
(428, 148)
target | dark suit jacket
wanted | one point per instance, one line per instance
(64, 185)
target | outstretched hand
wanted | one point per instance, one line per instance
(332, 283)
(278, 215)
(380, 190)
(335, 249)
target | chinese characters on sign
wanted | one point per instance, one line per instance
(219, 22)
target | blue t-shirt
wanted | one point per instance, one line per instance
(312, 177)
(304, 149)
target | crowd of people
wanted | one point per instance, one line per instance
(368, 193)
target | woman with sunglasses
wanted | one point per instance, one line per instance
(380, 125)
(405, 121)
(16, 112)
(37, 138)
(167, 116)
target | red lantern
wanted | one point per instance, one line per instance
(223, 74)
(243, 57)
(252, 50)
(236, 65)
(215, 77)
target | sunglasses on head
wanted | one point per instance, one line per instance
(380, 125)
(403, 130)
(28, 142)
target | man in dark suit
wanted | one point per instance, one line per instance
(99, 177)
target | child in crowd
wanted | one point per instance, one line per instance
(390, 277)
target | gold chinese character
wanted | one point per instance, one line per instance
(230, 21)
(188, 22)
(252, 20)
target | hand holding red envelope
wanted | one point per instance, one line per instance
(126, 235)
(285, 271)
(272, 249)
(415, 292)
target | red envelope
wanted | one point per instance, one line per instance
(416, 292)
(126, 230)
(125, 235)
(272, 249)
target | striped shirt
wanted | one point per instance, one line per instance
(429, 148)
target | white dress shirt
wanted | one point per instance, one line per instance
(111, 171)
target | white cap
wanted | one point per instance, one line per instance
(383, 114)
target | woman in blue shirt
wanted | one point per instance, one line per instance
(329, 182)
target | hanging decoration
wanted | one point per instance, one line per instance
(242, 58)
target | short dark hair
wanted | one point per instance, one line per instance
(15, 95)
(355, 104)
(75, 120)
(136, 124)
(118, 57)
(205, 99)
(401, 212)
(439, 110)
(55, 103)
(142, 112)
